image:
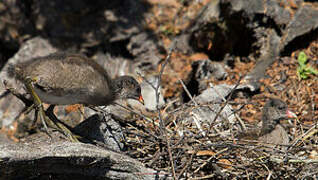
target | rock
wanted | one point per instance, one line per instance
(4, 139)
(81, 23)
(215, 94)
(44, 158)
(115, 66)
(219, 92)
(206, 69)
(303, 22)
(256, 28)
(149, 93)
(206, 114)
(183, 45)
(104, 129)
(209, 106)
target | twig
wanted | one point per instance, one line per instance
(27, 102)
(313, 130)
(235, 114)
(188, 92)
(195, 118)
(129, 109)
(207, 161)
(197, 123)
(186, 166)
(227, 100)
(161, 127)
(306, 161)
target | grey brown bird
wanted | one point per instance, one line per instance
(274, 111)
(271, 133)
(66, 78)
(62, 79)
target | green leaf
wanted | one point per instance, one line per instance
(312, 70)
(302, 58)
(303, 71)
(303, 76)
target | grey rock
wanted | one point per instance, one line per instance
(183, 45)
(4, 139)
(219, 92)
(206, 69)
(115, 66)
(211, 98)
(145, 47)
(275, 33)
(56, 158)
(149, 93)
(206, 115)
(102, 128)
(215, 94)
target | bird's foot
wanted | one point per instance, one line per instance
(61, 126)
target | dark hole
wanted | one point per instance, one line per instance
(230, 36)
(7, 50)
(119, 49)
(300, 42)
(193, 88)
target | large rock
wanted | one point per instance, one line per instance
(43, 158)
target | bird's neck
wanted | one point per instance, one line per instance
(268, 123)
(115, 86)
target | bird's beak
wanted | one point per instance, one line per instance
(141, 100)
(291, 114)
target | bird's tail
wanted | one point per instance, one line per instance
(14, 71)
(11, 70)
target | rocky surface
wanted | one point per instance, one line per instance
(220, 44)
(40, 157)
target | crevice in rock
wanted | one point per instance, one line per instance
(119, 48)
(232, 35)
(192, 86)
(7, 51)
(267, 22)
(300, 42)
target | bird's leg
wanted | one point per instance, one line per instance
(38, 104)
(44, 118)
(29, 105)
(62, 126)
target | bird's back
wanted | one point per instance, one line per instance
(73, 78)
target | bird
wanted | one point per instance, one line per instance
(273, 112)
(271, 131)
(69, 78)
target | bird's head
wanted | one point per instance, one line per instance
(126, 87)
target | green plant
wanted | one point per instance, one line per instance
(303, 69)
